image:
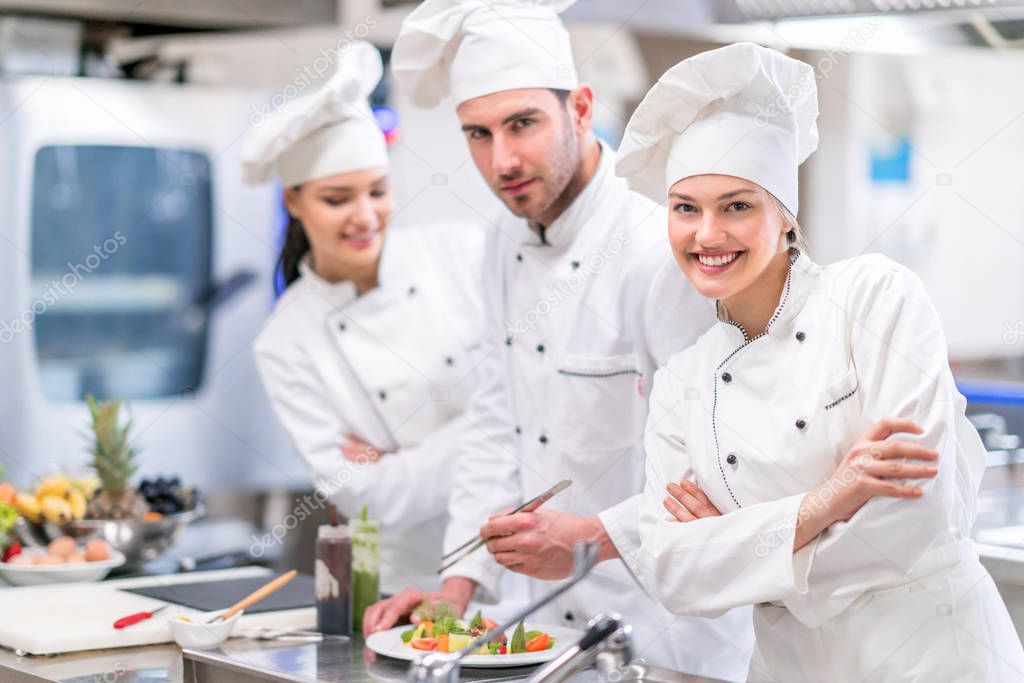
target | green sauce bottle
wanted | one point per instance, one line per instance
(365, 567)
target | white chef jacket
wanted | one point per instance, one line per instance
(896, 593)
(578, 319)
(395, 367)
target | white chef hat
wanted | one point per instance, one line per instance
(469, 48)
(741, 110)
(325, 133)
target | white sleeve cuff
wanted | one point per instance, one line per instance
(622, 524)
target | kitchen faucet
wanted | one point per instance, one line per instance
(607, 644)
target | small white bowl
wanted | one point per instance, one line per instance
(199, 635)
(72, 572)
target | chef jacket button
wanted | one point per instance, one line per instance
(543, 438)
(412, 290)
(341, 326)
(508, 341)
(800, 336)
(575, 265)
(449, 361)
(540, 348)
(726, 377)
(801, 424)
(731, 458)
(519, 430)
(569, 616)
(519, 257)
(383, 395)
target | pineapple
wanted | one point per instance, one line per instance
(114, 462)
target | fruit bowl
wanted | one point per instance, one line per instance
(74, 572)
(140, 541)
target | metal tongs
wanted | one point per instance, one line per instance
(529, 506)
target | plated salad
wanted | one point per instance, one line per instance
(440, 631)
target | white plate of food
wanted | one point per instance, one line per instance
(544, 643)
(63, 561)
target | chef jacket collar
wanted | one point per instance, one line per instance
(343, 294)
(337, 294)
(563, 230)
(803, 278)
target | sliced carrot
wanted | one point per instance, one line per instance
(539, 644)
(442, 643)
(423, 643)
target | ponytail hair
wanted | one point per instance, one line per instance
(295, 247)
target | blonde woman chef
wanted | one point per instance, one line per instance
(369, 353)
(773, 477)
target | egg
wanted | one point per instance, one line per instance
(49, 558)
(63, 546)
(97, 550)
(77, 556)
(21, 559)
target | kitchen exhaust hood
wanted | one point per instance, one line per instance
(185, 14)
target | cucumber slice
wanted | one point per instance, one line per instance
(518, 642)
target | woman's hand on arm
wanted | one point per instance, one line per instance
(686, 502)
(356, 450)
(867, 471)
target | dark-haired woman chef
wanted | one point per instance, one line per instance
(368, 357)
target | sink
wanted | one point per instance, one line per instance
(643, 673)
(640, 673)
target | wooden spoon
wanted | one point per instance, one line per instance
(255, 596)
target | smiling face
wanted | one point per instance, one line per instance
(345, 217)
(525, 143)
(725, 232)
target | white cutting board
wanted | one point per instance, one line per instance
(42, 620)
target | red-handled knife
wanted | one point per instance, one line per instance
(137, 617)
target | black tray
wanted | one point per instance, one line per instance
(210, 596)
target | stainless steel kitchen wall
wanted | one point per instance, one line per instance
(135, 265)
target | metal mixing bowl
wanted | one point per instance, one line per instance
(139, 541)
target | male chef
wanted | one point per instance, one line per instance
(585, 302)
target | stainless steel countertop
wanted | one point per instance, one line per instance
(242, 661)
(347, 661)
(999, 528)
(152, 664)
(1000, 514)
(239, 659)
